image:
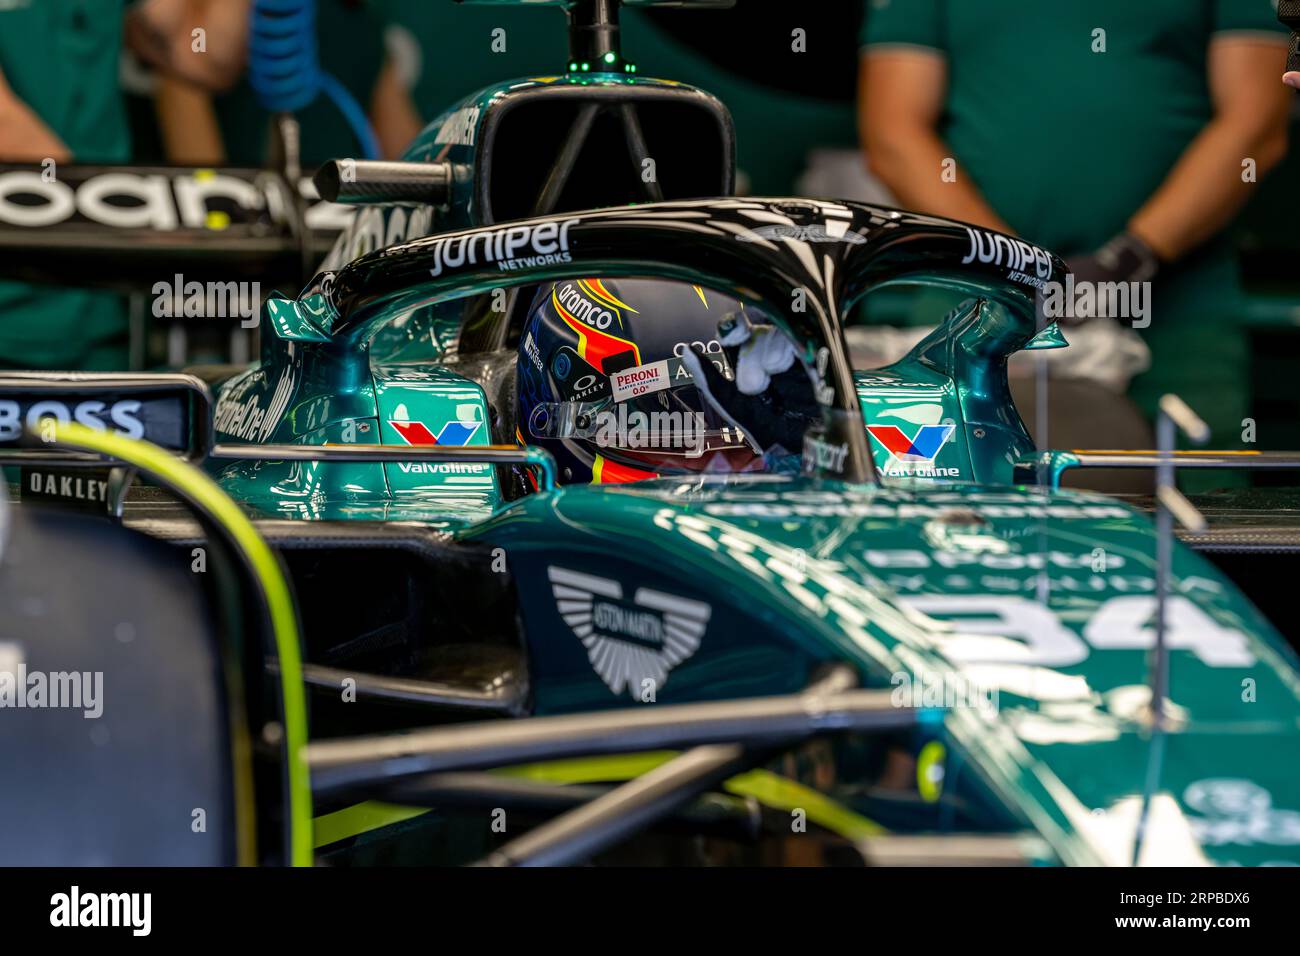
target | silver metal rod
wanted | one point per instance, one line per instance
(497, 454)
(467, 454)
(622, 812)
(340, 765)
(503, 696)
(1182, 415)
(1165, 433)
(119, 484)
(1173, 414)
(1183, 511)
(717, 814)
(1247, 461)
(625, 810)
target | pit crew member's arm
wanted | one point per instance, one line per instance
(901, 92)
(1205, 189)
(188, 123)
(24, 137)
(392, 111)
(162, 33)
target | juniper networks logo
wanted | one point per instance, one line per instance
(913, 457)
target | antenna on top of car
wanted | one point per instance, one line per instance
(1174, 415)
(594, 43)
(594, 37)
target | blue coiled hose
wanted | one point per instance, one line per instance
(284, 70)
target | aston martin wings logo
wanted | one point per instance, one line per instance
(628, 642)
(813, 232)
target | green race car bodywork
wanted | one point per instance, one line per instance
(1022, 611)
(1026, 612)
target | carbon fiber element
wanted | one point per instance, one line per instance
(365, 180)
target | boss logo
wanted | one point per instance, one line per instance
(122, 417)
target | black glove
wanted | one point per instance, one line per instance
(776, 416)
(1288, 11)
(1126, 258)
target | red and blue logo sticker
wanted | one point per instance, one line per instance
(922, 447)
(452, 433)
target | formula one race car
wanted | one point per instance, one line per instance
(578, 456)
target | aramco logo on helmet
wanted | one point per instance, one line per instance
(584, 309)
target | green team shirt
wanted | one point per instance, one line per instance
(60, 57)
(1066, 143)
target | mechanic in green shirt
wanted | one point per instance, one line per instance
(1114, 133)
(60, 100)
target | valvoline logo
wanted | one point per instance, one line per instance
(452, 433)
(923, 446)
(916, 453)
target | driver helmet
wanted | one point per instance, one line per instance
(620, 379)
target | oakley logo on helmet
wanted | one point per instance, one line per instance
(575, 379)
(548, 243)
